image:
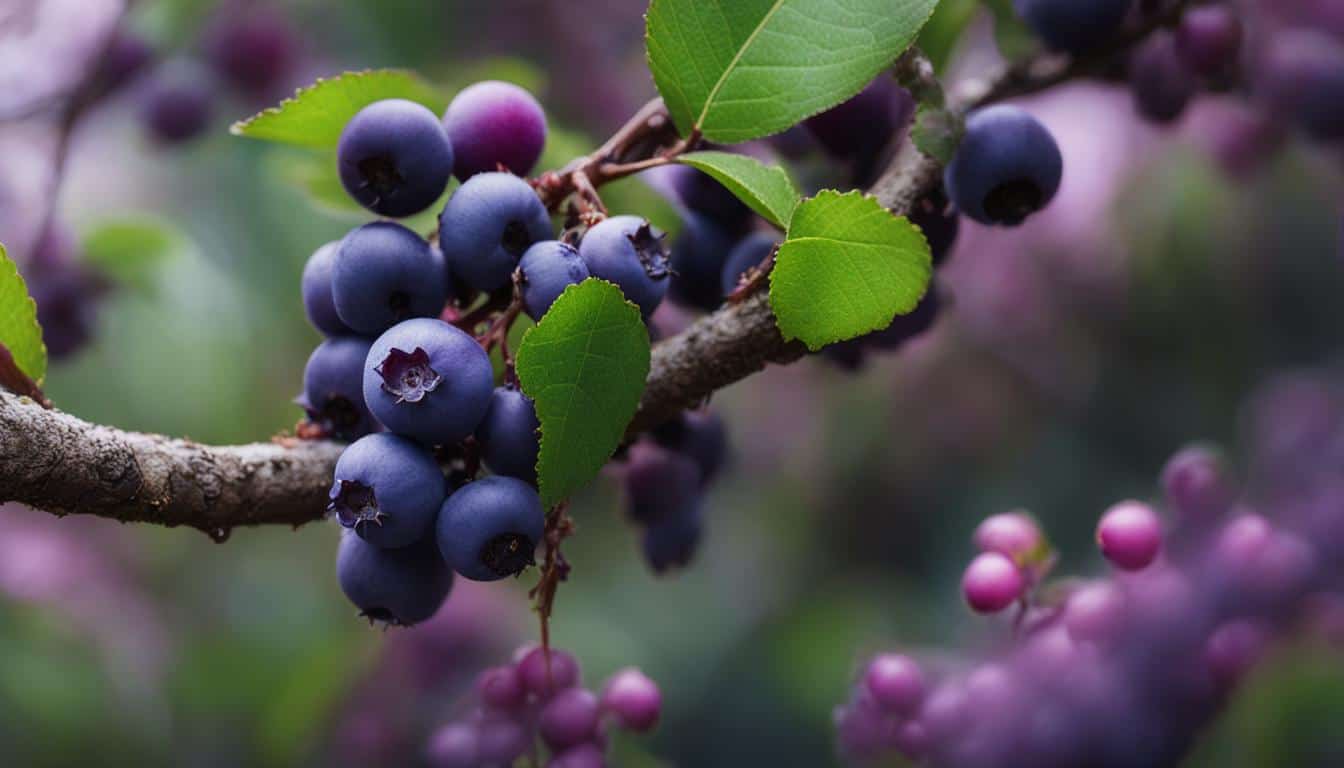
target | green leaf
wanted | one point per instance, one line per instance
(940, 36)
(1011, 35)
(937, 132)
(584, 366)
(19, 331)
(131, 250)
(742, 69)
(847, 268)
(315, 116)
(766, 189)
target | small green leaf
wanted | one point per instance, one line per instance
(847, 268)
(584, 366)
(317, 114)
(742, 69)
(315, 174)
(766, 189)
(130, 250)
(19, 331)
(937, 132)
(1011, 35)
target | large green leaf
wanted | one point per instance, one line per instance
(847, 268)
(315, 116)
(19, 331)
(131, 250)
(767, 189)
(741, 69)
(584, 366)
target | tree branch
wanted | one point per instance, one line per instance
(56, 462)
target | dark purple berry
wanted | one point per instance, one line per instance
(1007, 167)
(178, 107)
(751, 251)
(699, 435)
(488, 529)
(487, 226)
(510, 436)
(400, 587)
(586, 755)
(698, 256)
(659, 483)
(702, 195)
(66, 293)
(1302, 75)
(1161, 82)
(938, 220)
(254, 49)
(1197, 483)
(672, 541)
(570, 718)
(549, 267)
(906, 327)
(628, 251)
(127, 54)
(501, 688)
(318, 301)
(500, 739)
(633, 699)
(428, 380)
(860, 130)
(387, 489)
(1073, 26)
(394, 157)
(333, 388)
(493, 124)
(384, 274)
(1209, 39)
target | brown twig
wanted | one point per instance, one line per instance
(554, 568)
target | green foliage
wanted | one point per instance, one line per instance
(847, 268)
(131, 250)
(1010, 33)
(939, 37)
(584, 366)
(766, 189)
(742, 69)
(937, 132)
(315, 116)
(19, 331)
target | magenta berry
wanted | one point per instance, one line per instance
(501, 688)
(1014, 534)
(569, 718)
(453, 746)
(1233, 649)
(633, 699)
(1130, 535)
(896, 684)
(542, 676)
(493, 124)
(1094, 612)
(1208, 39)
(1196, 483)
(581, 756)
(500, 739)
(992, 582)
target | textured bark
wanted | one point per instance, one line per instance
(56, 462)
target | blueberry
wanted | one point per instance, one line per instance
(671, 542)
(508, 435)
(1160, 80)
(701, 194)
(906, 327)
(487, 226)
(1073, 26)
(66, 293)
(659, 483)
(938, 220)
(428, 380)
(318, 302)
(387, 489)
(1007, 167)
(385, 273)
(333, 393)
(178, 106)
(699, 435)
(750, 251)
(698, 255)
(400, 587)
(489, 528)
(628, 251)
(860, 129)
(493, 123)
(394, 157)
(253, 49)
(549, 267)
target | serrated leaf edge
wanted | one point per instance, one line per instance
(239, 127)
(7, 263)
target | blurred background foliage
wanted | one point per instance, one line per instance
(1079, 354)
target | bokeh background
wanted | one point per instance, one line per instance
(1184, 286)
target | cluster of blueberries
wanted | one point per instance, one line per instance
(540, 694)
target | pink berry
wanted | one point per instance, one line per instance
(1233, 649)
(1130, 535)
(634, 699)
(896, 684)
(453, 746)
(542, 677)
(569, 719)
(501, 688)
(1013, 534)
(991, 583)
(1094, 612)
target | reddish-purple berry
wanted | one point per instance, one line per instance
(992, 582)
(1130, 535)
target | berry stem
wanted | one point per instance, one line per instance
(554, 569)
